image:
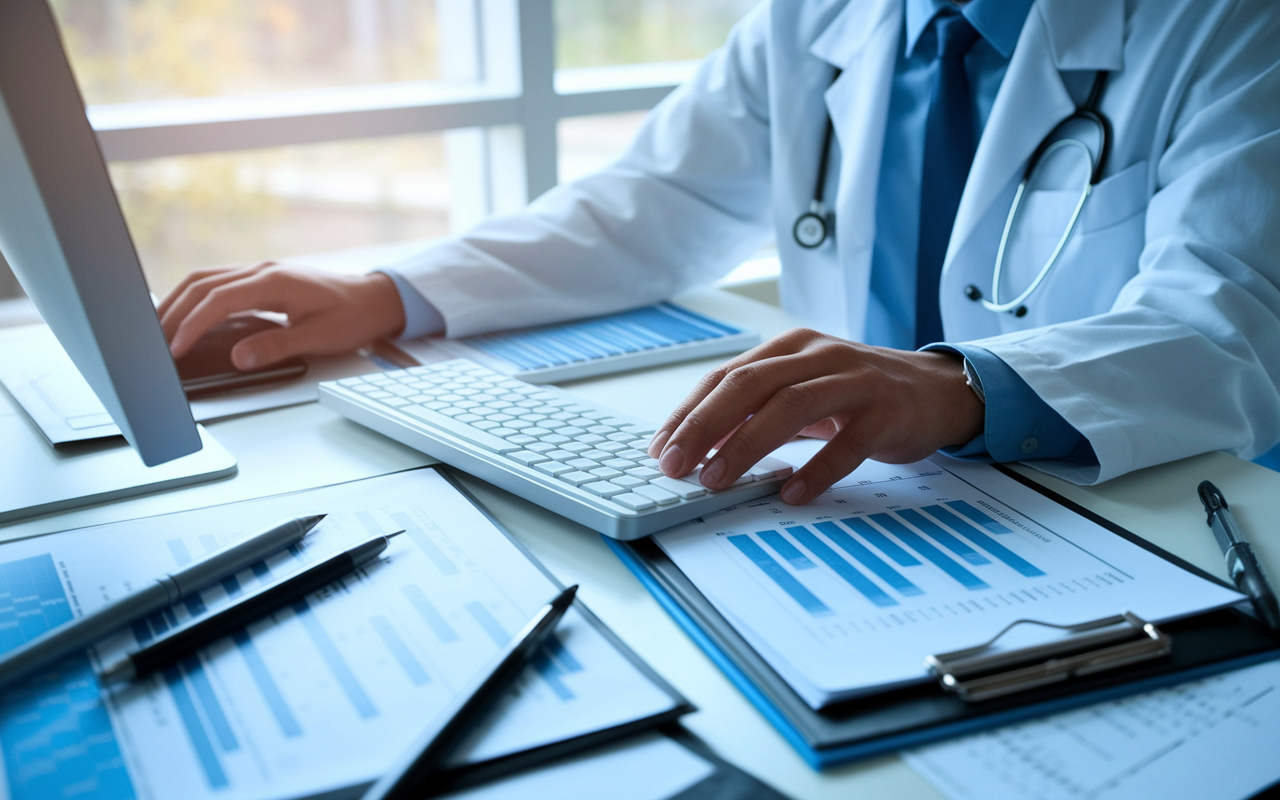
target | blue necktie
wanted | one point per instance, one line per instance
(948, 153)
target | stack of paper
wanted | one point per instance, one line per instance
(322, 697)
(849, 594)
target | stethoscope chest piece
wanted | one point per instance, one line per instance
(812, 228)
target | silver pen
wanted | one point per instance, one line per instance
(1242, 564)
(164, 592)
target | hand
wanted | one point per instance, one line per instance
(328, 314)
(869, 402)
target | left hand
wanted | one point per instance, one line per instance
(895, 406)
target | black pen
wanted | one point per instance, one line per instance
(424, 758)
(1242, 564)
(224, 621)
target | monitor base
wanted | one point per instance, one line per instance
(36, 478)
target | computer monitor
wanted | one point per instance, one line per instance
(64, 236)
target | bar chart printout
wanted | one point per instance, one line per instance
(322, 695)
(850, 593)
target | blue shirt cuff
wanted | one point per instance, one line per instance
(421, 318)
(1018, 425)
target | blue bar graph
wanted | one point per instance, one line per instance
(199, 737)
(971, 531)
(562, 654)
(425, 544)
(930, 553)
(776, 572)
(417, 675)
(54, 728)
(887, 546)
(943, 537)
(178, 549)
(548, 670)
(334, 660)
(868, 559)
(209, 702)
(434, 619)
(844, 569)
(977, 516)
(267, 685)
(779, 544)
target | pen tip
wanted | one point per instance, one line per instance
(394, 535)
(565, 598)
(310, 522)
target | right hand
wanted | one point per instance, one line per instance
(329, 314)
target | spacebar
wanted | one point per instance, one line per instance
(461, 430)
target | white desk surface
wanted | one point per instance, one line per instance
(304, 446)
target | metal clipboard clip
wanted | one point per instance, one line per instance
(1102, 644)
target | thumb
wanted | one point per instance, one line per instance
(266, 348)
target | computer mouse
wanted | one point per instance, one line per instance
(206, 369)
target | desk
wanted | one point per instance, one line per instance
(295, 448)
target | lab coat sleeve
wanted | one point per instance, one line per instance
(1187, 360)
(686, 203)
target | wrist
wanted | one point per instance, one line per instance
(379, 301)
(961, 406)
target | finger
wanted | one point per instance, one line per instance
(742, 392)
(191, 277)
(195, 292)
(268, 347)
(245, 294)
(782, 344)
(790, 410)
(840, 456)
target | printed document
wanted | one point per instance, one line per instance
(850, 593)
(324, 695)
(1213, 739)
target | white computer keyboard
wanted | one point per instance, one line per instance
(574, 457)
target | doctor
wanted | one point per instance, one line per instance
(1136, 290)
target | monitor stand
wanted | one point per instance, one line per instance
(36, 478)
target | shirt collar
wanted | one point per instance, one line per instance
(999, 21)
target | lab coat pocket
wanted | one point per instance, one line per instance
(1098, 258)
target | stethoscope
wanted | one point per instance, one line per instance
(813, 227)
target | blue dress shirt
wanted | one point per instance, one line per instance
(1018, 425)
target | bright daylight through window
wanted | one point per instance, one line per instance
(245, 129)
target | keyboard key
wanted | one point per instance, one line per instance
(553, 468)
(618, 463)
(578, 477)
(555, 438)
(657, 494)
(541, 447)
(527, 457)
(583, 463)
(500, 417)
(630, 481)
(597, 415)
(572, 430)
(604, 488)
(633, 454)
(553, 424)
(521, 439)
(612, 447)
(597, 455)
(558, 455)
(605, 473)
(503, 432)
(590, 438)
(477, 437)
(518, 424)
(646, 473)
(484, 425)
(468, 418)
(603, 430)
(633, 501)
(396, 402)
(682, 489)
(537, 432)
(576, 447)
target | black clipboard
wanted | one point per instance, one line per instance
(1203, 645)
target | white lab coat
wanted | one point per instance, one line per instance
(1157, 335)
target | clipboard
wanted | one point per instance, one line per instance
(1200, 646)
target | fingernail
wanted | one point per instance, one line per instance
(793, 492)
(246, 360)
(712, 473)
(659, 439)
(672, 460)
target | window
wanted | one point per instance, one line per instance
(246, 129)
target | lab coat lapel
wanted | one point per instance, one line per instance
(1032, 101)
(862, 40)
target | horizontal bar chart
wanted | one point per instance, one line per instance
(868, 559)
(976, 516)
(930, 553)
(967, 529)
(883, 543)
(843, 568)
(945, 538)
(334, 660)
